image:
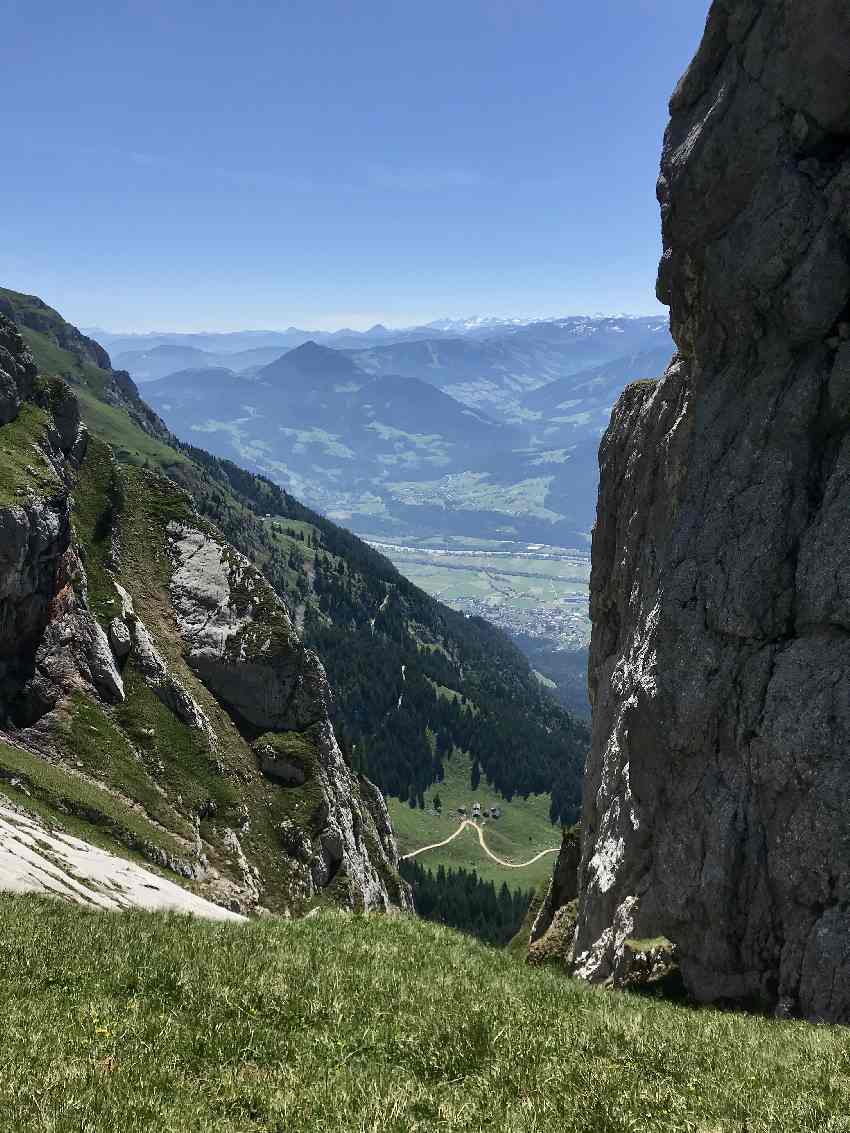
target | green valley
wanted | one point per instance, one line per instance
(537, 594)
(521, 831)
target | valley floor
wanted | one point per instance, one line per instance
(536, 593)
(530, 589)
(142, 1021)
(479, 832)
(522, 831)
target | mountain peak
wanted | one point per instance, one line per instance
(313, 361)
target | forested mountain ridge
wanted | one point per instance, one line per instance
(412, 679)
(418, 436)
(154, 695)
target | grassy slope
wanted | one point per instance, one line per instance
(24, 467)
(520, 833)
(138, 774)
(353, 1024)
(271, 550)
(75, 804)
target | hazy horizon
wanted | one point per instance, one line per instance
(326, 325)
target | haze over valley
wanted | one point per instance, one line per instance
(472, 436)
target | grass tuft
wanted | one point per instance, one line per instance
(350, 1023)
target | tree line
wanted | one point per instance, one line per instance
(369, 624)
(460, 899)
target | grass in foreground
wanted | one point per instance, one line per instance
(336, 1023)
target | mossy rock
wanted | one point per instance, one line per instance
(287, 758)
(556, 944)
(24, 468)
(648, 964)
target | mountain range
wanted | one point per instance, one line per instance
(232, 342)
(163, 613)
(490, 433)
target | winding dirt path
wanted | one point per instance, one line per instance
(499, 861)
(436, 845)
(510, 865)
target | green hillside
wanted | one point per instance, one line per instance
(347, 1023)
(522, 830)
(391, 652)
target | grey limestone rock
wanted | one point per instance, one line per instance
(156, 672)
(119, 638)
(17, 371)
(239, 639)
(50, 643)
(717, 790)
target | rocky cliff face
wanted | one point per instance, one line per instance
(717, 792)
(49, 642)
(152, 684)
(86, 361)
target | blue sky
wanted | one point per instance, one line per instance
(173, 165)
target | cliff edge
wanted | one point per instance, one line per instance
(154, 693)
(717, 790)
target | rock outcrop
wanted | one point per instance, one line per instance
(239, 639)
(36, 859)
(49, 642)
(553, 929)
(717, 791)
(151, 681)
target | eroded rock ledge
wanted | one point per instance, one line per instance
(717, 793)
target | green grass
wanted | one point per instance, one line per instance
(54, 360)
(452, 695)
(185, 767)
(131, 444)
(355, 1024)
(106, 422)
(97, 502)
(92, 738)
(24, 467)
(78, 805)
(519, 834)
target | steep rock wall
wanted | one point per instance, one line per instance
(717, 791)
(158, 707)
(49, 642)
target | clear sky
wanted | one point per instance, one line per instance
(222, 165)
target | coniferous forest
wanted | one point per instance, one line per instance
(460, 899)
(413, 679)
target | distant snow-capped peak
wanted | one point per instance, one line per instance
(479, 322)
(579, 322)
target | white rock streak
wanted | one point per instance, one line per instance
(36, 860)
